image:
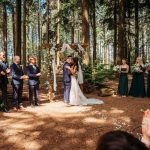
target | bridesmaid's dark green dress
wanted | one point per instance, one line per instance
(137, 88)
(148, 84)
(123, 83)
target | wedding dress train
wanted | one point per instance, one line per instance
(77, 97)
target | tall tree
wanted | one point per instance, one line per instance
(48, 52)
(128, 30)
(58, 33)
(4, 27)
(13, 23)
(24, 35)
(94, 29)
(121, 30)
(86, 28)
(39, 35)
(18, 28)
(136, 3)
(115, 30)
(72, 27)
(58, 24)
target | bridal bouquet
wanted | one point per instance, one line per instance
(135, 68)
(147, 65)
(116, 68)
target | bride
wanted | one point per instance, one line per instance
(76, 95)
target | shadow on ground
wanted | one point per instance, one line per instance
(54, 126)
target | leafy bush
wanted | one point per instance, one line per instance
(98, 74)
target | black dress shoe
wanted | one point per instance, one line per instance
(37, 104)
(5, 110)
(32, 105)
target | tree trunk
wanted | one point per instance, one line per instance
(72, 34)
(121, 31)
(58, 34)
(58, 24)
(39, 36)
(115, 31)
(129, 40)
(13, 25)
(48, 52)
(86, 29)
(142, 47)
(136, 3)
(72, 27)
(18, 28)
(5, 28)
(47, 21)
(28, 32)
(104, 46)
(94, 32)
(24, 35)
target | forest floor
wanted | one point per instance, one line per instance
(55, 126)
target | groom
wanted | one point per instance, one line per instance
(67, 79)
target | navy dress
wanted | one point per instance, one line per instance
(148, 84)
(123, 83)
(137, 88)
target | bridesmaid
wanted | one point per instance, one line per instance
(137, 88)
(148, 83)
(123, 79)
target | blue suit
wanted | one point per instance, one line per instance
(33, 82)
(17, 83)
(67, 82)
(3, 83)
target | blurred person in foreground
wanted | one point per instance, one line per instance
(121, 140)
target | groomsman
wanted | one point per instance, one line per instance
(4, 80)
(17, 83)
(33, 73)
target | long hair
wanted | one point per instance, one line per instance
(75, 62)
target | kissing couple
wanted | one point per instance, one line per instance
(72, 92)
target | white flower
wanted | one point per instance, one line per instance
(116, 68)
(147, 65)
(135, 68)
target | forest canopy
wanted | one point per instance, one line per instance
(109, 30)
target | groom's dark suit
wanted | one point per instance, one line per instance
(67, 82)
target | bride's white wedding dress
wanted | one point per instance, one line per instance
(77, 97)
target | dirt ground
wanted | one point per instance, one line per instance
(55, 126)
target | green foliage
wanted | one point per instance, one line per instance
(98, 74)
(88, 74)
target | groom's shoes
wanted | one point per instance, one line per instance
(67, 104)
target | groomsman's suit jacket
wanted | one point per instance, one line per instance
(3, 78)
(32, 70)
(4, 82)
(16, 73)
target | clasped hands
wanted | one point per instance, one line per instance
(24, 77)
(5, 73)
